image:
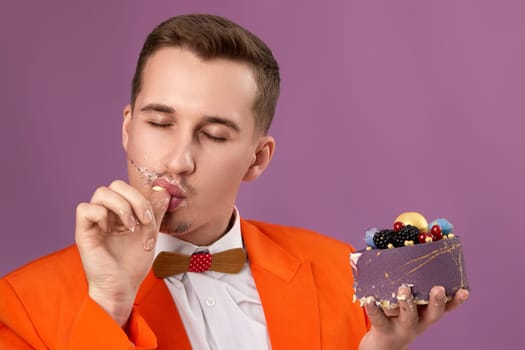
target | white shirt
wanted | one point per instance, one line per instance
(219, 310)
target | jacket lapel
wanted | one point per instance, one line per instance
(155, 304)
(287, 291)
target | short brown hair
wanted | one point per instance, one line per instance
(210, 36)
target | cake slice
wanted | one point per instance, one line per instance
(434, 258)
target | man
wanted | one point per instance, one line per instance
(203, 97)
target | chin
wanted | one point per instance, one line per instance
(174, 227)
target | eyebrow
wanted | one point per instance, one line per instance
(226, 122)
(161, 108)
(157, 107)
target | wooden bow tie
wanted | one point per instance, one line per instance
(229, 261)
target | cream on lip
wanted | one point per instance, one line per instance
(174, 189)
(177, 192)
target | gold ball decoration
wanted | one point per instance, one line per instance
(415, 219)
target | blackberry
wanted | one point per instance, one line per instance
(382, 238)
(407, 233)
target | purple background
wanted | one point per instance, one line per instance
(386, 106)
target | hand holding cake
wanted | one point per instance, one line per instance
(412, 253)
(407, 277)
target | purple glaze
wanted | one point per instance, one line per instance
(380, 272)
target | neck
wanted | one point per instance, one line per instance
(207, 238)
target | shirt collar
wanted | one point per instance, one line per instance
(230, 240)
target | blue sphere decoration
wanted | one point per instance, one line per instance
(446, 226)
(369, 237)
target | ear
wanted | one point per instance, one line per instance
(261, 158)
(126, 113)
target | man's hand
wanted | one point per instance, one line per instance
(395, 330)
(116, 234)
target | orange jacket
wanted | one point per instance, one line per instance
(304, 281)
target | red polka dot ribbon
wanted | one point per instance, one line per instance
(170, 263)
(200, 262)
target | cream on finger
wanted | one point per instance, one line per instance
(177, 193)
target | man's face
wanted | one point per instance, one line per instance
(192, 132)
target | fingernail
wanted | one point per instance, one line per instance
(439, 294)
(132, 223)
(149, 244)
(464, 297)
(148, 216)
(403, 293)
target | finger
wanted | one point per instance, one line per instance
(391, 311)
(88, 214)
(159, 201)
(408, 315)
(436, 305)
(376, 315)
(115, 203)
(150, 212)
(140, 205)
(459, 298)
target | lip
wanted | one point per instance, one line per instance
(173, 189)
(176, 192)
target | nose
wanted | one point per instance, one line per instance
(180, 158)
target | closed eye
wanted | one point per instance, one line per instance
(160, 125)
(215, 138)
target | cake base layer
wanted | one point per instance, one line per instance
(380, 272)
